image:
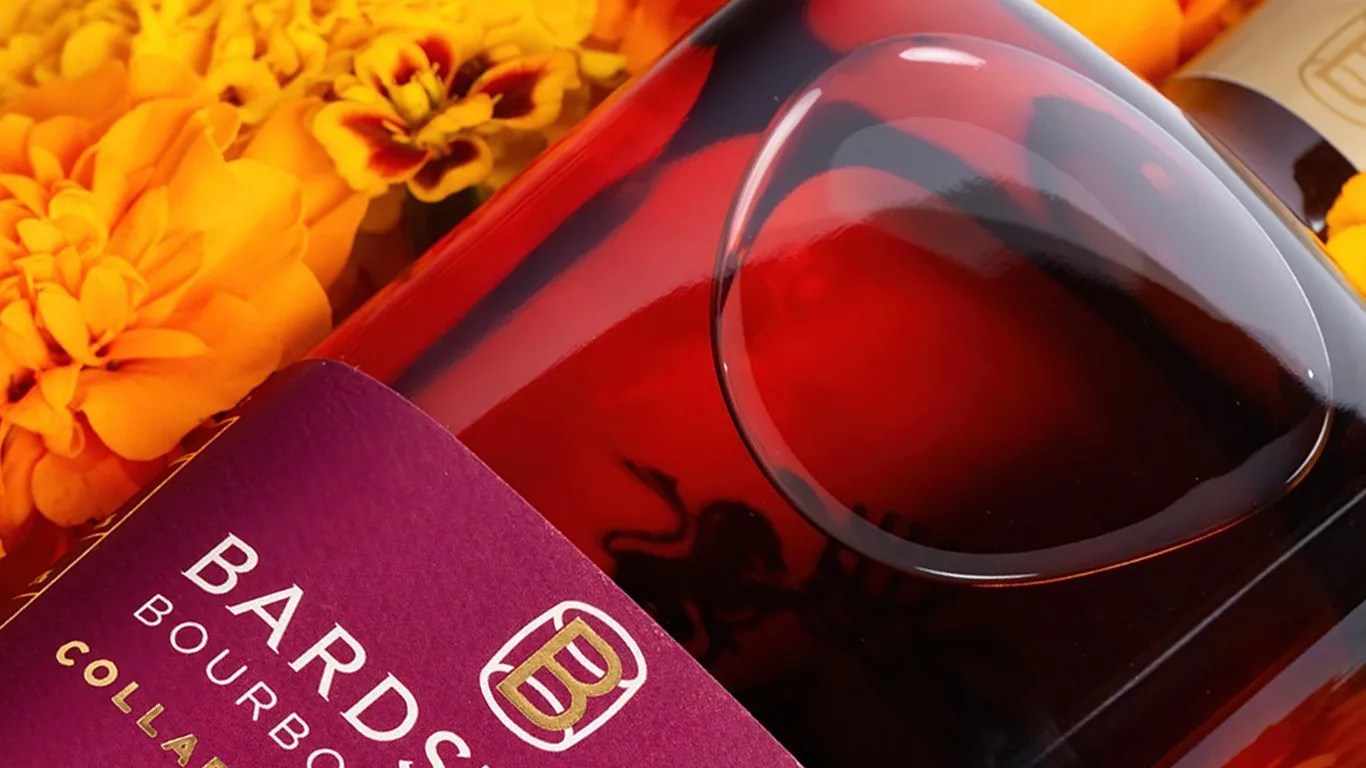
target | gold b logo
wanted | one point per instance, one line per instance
(1336, 73)
(567, 686)
(579, 691)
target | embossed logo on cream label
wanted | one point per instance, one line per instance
(1335, 74)
(563, 676)
(1307, 55)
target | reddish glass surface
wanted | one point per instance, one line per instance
(852, 311)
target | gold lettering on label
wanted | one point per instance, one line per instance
(215, 763)
(64, 653)
(183, 747)
(145, 722)
(579, 691)
(121, 698)
(102, 673)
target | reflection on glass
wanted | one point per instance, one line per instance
(1311, 715)
(1055, 341)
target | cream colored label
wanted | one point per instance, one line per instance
(1307, 55)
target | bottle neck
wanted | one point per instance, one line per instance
(1286, 92)
(1308, 56)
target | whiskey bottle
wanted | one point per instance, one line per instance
(919, 368)
(1286, 92)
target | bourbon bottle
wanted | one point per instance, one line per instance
(1286, 91)
(920, 369)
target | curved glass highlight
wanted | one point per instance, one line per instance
(1050, 339)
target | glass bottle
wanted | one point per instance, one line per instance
(919, 368)
(1285, 90)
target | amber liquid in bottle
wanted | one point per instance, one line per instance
(922, 371)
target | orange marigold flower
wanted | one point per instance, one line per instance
(147, 282)
(418, 106)
(644, 29)
(1145, 35)
(1151, 37)
(1346, 222)
(1205, 19)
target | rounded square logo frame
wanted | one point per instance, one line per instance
(553, 625)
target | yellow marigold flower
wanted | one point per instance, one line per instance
(418, 105)
(41, 40)
(147, 282)
(258, 55)
(537, 26)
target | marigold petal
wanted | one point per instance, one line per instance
(332, 236)
(64, 138)
(55, 425)
(14, 136)
(612, 19)
(148, 146)
(458, 117)
(391, 59)
(171, 267)
(155, 344)
(539, 24)
(20, 340)
(75, 209)
(602, 66)
(40, 236)
(106, 303)
(27, 191)
(263, 236)
(567, 21)
(332, 210)
(35, 267)
(444, 53)
(297, 306)
(1144, 35)
(144, 408)
(141, 227)
(1350, 208)
(22, 450)
(466, 162)
(89, 486)
(363, 142)
(158, 76)
(91, 96)
(91, 46)
(62, 317)
(149, 136)
(47, 169)
(528, 91)
(203, 190)
(248, 85)
(285, 142)
(58, 385)
(69, 264)
(1347, 247)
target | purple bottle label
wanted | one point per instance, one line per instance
(335, 581)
